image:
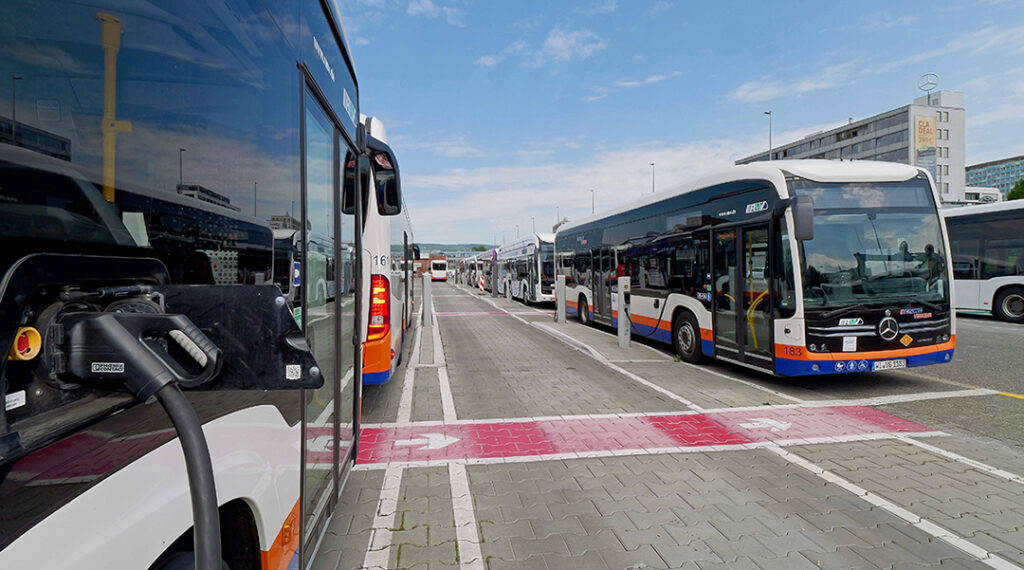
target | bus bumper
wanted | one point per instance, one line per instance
(839, 364)
(377, 361)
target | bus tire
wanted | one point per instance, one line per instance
(686, 337)
(1009, 305)
(583, 314)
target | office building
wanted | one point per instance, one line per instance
(928, 133)
(1001, 174)
(29, 137)
(204, 194)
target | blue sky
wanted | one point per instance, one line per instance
(502, 111)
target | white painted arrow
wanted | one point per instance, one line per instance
(774, 425)
(431, 441)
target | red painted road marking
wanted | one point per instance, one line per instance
(559, 436)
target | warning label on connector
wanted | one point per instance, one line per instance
(107, 368)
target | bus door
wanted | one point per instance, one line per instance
(742, 302)
(602, 276)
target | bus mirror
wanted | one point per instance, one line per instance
(415, 251)
(348, 186)
(388, 182)
(803, 218)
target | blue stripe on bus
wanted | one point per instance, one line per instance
(787, 367)
(374, 378)
(645, 331)
(707, 347)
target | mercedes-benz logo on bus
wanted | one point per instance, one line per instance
(888, 328)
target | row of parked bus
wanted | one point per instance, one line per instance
(215, 218)
(793, 268)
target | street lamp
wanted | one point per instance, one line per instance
(254, 184)
(517, 231)
(769, 113)
(180, 152)
(14, 109)
(533, 222)
(652, 178)
(591, 200)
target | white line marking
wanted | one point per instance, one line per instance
(405, 401)
(642, 451)
(435, 330)
(447, 402)
(966, 460)
(587, 349)
(877, 401)
(927, 526)
(468, 539)
(378, 551)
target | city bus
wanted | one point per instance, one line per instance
(387, 257)
(789, 267)
(103, 227)
(526, 268)
(987, 242)
(439, 270)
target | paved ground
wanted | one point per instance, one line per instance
(507, 441)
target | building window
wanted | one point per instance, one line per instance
(945, 187)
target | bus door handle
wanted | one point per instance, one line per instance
(657, 303)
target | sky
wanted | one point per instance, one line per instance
(510, 112)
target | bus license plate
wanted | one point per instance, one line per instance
(889, 364)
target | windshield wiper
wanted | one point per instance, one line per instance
(844, 310)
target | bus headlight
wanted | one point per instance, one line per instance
(813, 347)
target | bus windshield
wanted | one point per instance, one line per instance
(878, 242)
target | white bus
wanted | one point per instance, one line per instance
(526, 268)
(439, 270)
(167, 216)
(387, 257)
(987, 241)
(791, 267)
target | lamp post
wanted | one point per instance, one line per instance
(533, 222)
(254, 184)
(652, 178)
(14, 109)
(181, 151)
(591, 200)
(769, 113)
(517, 231)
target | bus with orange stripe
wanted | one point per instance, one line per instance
(789, 267)
(388, 254)
(192, 209)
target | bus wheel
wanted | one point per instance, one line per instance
(584, 311)
(686, 337)
(1009, 305)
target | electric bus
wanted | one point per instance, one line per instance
(387, 259)
(789, 267)
(527, 269)
(103, 232)
(987, 242)
(439, 270)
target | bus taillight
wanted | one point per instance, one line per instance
(380, 308)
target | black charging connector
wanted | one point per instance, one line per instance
(150, 355)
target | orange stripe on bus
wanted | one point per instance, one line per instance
(804, 354)
(649, 322)
(706, 334)
(281, 552)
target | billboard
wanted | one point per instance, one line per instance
(925, 138)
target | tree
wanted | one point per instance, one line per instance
(479, 248)
(1017, 192)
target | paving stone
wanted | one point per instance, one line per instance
(601, 540)
(588, 560)
(523, 548)
(645, 555)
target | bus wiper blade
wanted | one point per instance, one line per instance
(843, 310)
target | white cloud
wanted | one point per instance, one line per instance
(453, 16)
(875, 21)
(562, 46)
(1010, 40)
(768, 89)
(599, 8)
(659, 7)
(492, 60)
(438, 145)
(601, 92)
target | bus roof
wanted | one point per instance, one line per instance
(983, 208)
(535, 239)
(818, 170)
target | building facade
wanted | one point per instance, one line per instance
(1001, 174)
(928, 133)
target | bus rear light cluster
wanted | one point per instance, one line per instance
(380, 308)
